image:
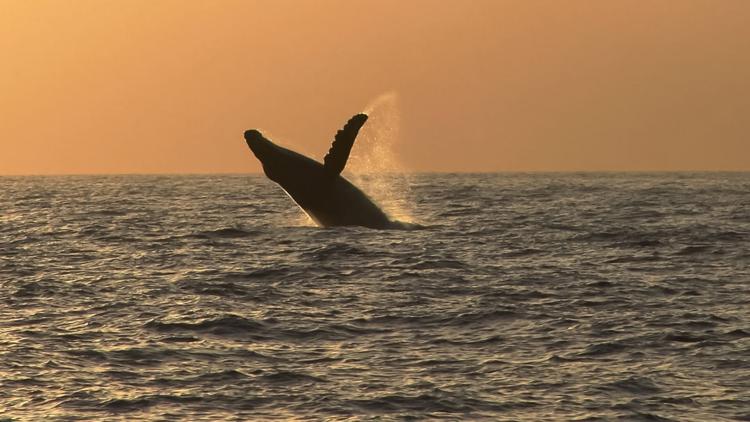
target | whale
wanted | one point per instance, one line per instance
(319, 188)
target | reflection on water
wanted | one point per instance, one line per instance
(527, 297)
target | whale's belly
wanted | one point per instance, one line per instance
(339, 203)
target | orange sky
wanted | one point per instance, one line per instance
(145, 86)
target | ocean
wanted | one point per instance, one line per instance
(524, 297)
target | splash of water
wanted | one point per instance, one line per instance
(374, 165)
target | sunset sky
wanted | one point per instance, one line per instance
(160, 86)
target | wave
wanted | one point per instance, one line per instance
(432, 403)
(635, 385)
(224, 325)
(225, 233)
(290, 377)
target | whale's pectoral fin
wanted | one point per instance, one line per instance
(335, 160)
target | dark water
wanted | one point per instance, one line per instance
(527, 297)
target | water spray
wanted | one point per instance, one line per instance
(374, 164)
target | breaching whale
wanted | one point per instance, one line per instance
(320, 189)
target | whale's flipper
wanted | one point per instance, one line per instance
(335, 160)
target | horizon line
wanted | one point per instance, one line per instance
(260, 173)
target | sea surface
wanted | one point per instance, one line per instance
(525, 297)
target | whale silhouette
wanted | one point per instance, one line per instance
(320, 189)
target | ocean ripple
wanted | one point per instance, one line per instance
(528, 297)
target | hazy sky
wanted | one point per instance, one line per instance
(160, 86)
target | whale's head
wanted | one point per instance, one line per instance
(276, 160)
(260, 146)
(265, 150)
